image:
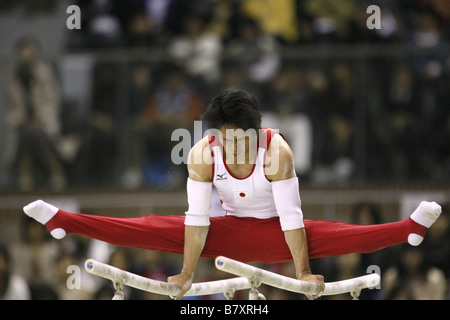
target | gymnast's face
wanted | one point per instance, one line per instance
(239, 145)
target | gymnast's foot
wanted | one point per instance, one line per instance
(425, 215)
(43, 212)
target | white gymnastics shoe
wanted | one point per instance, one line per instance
(43, 212)
(425, 215)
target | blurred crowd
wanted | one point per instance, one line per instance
(40, 267)
(114, 23)
(378, 117)
(381, 118)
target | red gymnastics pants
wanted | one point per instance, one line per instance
(243, 239)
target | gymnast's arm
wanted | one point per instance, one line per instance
(199, 188)
(281, 172)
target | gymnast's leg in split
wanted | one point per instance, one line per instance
(243, 239)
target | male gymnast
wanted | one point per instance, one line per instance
(252, 169)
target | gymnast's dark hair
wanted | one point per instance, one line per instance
(238, 108)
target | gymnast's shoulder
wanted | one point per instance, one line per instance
(200, 161)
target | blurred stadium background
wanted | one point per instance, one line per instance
(86, 118)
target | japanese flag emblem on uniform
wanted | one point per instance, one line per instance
(242, 194)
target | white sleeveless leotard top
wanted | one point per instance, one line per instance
(247, 197)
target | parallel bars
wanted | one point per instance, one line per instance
(250, 277)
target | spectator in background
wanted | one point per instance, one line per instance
(257, 55)
(34, 257)
(334, 159)
(32, 113)
(392, 123)
(319, 98)
(290, 91)
(174, 104)
(437, 244)
(440, 136)
(226, 18)
(343, 89)
(143, 33)
(98, 156)
(198, 51)
(291, 113)
(426, 31)
(428, 71)
(141, 91)
(101, 22)
(400, 120)
(140, 32)
(141, 87)
(276, 18)
(331, 20)
(12, 286)
(413, 279)
(157, 12)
